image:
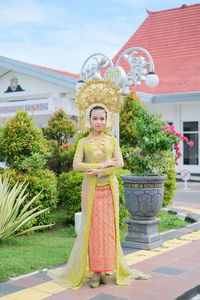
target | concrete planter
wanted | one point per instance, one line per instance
(143, 198)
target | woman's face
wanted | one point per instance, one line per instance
(98, 119)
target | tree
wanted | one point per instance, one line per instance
(20, 138)
(25, 151)
(128, 116)
(60, 129)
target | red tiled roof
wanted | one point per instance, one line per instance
(58, 71)
(172, 37)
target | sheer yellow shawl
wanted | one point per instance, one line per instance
(77, 268)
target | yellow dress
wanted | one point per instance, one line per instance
(77, 268)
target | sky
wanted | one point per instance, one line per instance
(62, 34)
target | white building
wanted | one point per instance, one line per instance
(172, 37)
(35, 88)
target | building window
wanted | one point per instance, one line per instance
(191, 154)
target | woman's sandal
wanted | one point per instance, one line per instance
(94, 283)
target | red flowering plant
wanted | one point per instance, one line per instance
(171, 130)
(156, 144)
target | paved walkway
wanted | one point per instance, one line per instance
(174, 269)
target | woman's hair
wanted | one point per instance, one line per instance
(96, 108)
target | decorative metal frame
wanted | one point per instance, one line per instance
(140, 69)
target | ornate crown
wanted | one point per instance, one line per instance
(96, 92)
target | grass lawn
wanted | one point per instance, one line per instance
(24, 254)
(21, 255)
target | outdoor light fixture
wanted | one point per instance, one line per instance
(78, 85)
(152, 80)
(100, 66)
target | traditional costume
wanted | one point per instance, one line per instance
(97, 247)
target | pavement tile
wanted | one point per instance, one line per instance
(127, 292)
(27, 281)
(61, 296)
(102, 296)
(50, 286)
(42, 275)
(169, 271)
(26, 294)
(7, 288)
(149, 295)
(193, 273)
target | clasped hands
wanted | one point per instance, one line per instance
(108, 163)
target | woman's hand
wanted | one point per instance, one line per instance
(92, 172)
(110, 163)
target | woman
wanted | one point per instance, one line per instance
(97, 248)
(102, 150)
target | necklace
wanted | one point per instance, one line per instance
(98, 147)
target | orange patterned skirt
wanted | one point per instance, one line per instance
(102, 239)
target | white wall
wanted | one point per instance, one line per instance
(35, 91)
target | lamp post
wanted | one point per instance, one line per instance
(100, 66)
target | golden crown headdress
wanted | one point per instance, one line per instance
(96, 92)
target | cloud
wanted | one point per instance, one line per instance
(17, 11)
(55, 38)
(134, 3)
(52, 33)
(155, 4)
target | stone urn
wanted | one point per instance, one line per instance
(143, 199)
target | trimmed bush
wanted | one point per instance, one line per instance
(128, 116)
(61, 157)
(69, 193)
(25, 150)
(60, 128)
(20, 138)
(123, 212)
(170, 182)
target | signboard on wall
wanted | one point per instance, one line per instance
(39, 107)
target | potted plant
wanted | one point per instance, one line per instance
(156, 144)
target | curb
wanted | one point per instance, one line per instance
(192, 218)
(28, 274)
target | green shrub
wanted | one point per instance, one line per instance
(32, 163)
(170, 182)
(69, 192)
(41, 181)
(60, 128)
(61, 157)
(20, 138)
(128, 115)
(123, 212)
